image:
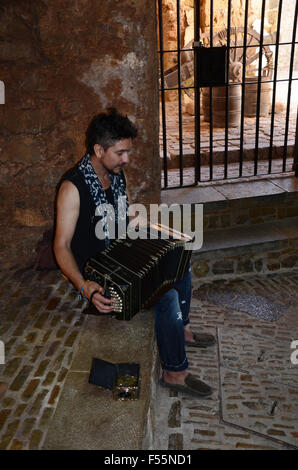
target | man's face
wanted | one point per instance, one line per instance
(117, 156)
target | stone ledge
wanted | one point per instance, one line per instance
(217, 193)
(240, 204)
(94, 420)
(249, 227)
(249, 236)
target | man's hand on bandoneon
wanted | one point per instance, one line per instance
(103, 304)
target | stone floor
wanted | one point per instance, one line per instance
(46, 400)
(218, 147)
(40, 327)
(255, 383)
(255, 399)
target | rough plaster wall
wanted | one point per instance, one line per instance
(62, 62)
(286, 35)
(237, 13)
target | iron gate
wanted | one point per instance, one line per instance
(232, 78)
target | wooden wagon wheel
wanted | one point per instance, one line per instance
(237, 50)
(236, 57)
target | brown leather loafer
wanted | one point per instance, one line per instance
(192, 386)
(201, 340)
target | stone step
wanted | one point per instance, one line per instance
(233, 173)
(240, 203)
(245, 251)
(218, 154)
(250, 236)
(249, 227)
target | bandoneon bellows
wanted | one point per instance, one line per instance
(135, 273)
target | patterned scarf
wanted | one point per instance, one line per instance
(108, 218)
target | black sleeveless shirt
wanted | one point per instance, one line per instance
(84, 243)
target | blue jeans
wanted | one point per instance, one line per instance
(171, 316)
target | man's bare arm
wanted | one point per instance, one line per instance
(68, 208)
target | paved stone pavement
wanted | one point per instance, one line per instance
(255, 400)
(39, 340)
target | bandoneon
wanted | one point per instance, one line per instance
(135, 273)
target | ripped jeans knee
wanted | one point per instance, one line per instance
(169, 329)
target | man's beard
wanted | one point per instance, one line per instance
(112, 172)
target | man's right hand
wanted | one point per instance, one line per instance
(103, 304)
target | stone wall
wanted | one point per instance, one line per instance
(277, 255)
(286, 35)
(169, 14)
(240, 262)
(220, 19)
(220, 14)
(62, 62)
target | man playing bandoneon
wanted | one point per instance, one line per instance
(98, 180)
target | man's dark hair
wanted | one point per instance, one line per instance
(106, 129)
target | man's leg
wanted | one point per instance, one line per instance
(184, 288)
(170, 338)
(170, 335)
